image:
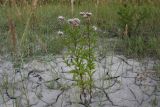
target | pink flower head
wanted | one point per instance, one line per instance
(86, 14)
(61, 18)
(74, 22)
(82, 13)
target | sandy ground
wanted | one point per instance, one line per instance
(119, 82)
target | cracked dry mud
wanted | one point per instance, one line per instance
(119, 82)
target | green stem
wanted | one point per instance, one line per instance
(89, 57)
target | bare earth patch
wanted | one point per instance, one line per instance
(119, 82)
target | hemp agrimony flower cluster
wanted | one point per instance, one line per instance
(80, 43)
